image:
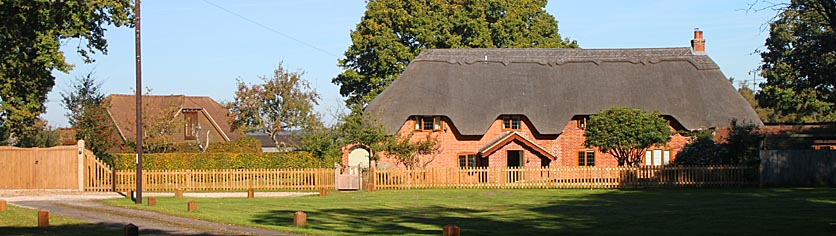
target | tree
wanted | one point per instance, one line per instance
(393, 32)
(407, 152)
(44, 135)
(742, 146)
(282, 103)
(159, 124)
(31, 33)
(88, 116)
(799, 62)
(626, 133)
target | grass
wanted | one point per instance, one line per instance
(23, 221)
(748, 211)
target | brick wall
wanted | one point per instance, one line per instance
(564, 147)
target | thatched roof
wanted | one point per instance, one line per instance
(472, 87)
(122, 109)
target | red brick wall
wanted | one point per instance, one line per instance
(564, 146)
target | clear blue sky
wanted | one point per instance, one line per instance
(192, 47)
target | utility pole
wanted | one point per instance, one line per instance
(138, 106)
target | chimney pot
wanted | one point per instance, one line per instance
(698, 43)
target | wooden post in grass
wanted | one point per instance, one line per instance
(2, 205)
(323, 192)
(178, 193)
(300, 219)
(192, 206)
(152, 201)
(450, 230)
(43, 218)
(250, 193)
(131, 230)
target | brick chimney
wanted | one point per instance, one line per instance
(698, 43)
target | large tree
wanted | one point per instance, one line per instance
(393, 32)
(626, 133)
(799, 62)
(284, 102)
(31, 34)
(88, 116)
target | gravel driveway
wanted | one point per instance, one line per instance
(83, 206)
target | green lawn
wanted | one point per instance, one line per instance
(748, 211)
(23, 221)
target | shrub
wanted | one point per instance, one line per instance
(244, 144)
(206, 161)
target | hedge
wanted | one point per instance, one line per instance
(244, 144)
(207, 161)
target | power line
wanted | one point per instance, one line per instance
(271, 29)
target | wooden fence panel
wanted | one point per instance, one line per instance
(227, 179)
(39, 168)
(565, 177)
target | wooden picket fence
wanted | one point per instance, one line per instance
(566, 177)
(226, 180)
(98, 176)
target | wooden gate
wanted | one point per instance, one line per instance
(347, 178)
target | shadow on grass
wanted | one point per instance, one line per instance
(625, 212)
(426, 220)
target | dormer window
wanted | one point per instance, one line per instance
(510, 122)
(189, 124)
(428, 123)
(582, 123)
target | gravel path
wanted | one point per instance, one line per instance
(83, 206)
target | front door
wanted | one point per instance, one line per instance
(514, 164)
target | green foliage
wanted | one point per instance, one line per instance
(207, 161)
(31, 33)
(350, 129)
(393, 32)
(88, 116)
(626, 133)
(406, 152)
(43, 136)
(743, 145)
(740, 148)
(798, 63)
(244, 144)
(282, 103)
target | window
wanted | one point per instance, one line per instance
(657, 157)
(582, 123)
(586, 158)
(823, 147)
(511, 122)
(468, 161)
(428, 123)
(189, 124)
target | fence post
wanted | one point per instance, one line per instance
(2, 205)
(43, 218)
(450, 230)
(300, 219)
(80, 165)
(192, 206)
(250, 193)
(131, 230)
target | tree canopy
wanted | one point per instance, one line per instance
(284, 102)
(392, 32)
(31, 34)
(626, 133)
(88, 116)
(799, 63)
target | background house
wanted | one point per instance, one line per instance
(528, 107)
(187, 113)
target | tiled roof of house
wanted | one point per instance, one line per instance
(122, 109)
(472, 87)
